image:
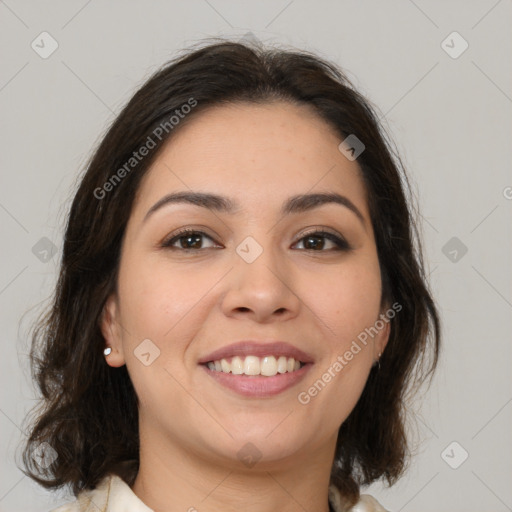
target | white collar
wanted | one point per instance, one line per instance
(113, 494)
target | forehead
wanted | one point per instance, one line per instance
(256, 154)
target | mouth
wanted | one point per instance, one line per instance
(252, 365)
(257, 369)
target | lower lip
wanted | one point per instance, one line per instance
(258, 386)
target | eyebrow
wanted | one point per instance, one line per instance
(295, 204)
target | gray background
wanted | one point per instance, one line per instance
(451, 118)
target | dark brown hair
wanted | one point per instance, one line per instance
(88, 412)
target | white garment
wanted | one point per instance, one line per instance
(113, 494)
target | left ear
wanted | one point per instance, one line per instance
(112, 332)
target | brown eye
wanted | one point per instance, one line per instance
(188, 240)
(319, 240)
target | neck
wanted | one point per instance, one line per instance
(172, 478)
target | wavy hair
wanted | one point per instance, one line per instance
(88, 411)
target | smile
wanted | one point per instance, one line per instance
(257, 369)
(267, 366)
(255, 383)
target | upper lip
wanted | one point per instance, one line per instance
(257, 348)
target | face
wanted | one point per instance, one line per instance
(262, 275)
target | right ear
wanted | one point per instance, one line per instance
(112, 332)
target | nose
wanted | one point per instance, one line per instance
(261, 290)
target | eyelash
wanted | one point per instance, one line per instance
(342, 245)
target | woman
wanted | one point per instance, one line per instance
(242, 305)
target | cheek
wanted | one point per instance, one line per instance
(161, 305)
(349, 305)
(347, 300)
(157, 297)
(167, 306)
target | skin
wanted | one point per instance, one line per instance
(191, 303)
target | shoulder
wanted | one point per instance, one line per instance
(112, 494)
(90, 500)
(68, 507)
(366, 503)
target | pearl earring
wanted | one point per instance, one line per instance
(107, 351)
(377, 362)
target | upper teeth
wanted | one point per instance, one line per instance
(253, 365)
